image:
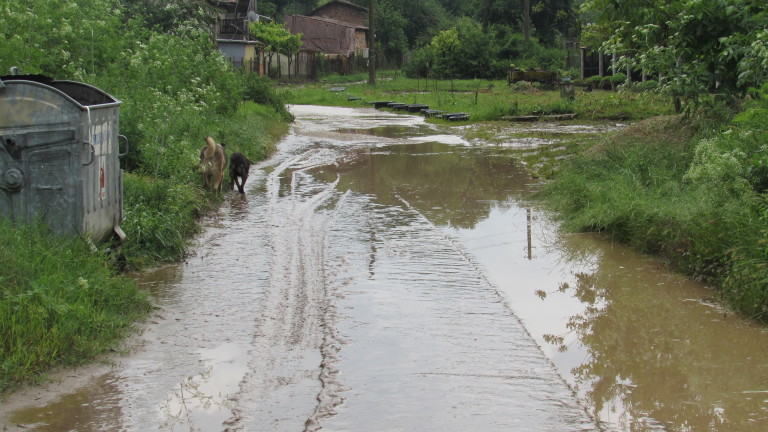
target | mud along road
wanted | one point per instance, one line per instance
(381, 274)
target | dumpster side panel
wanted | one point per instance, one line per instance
(32, 121)
(102, 191)
(51, 194)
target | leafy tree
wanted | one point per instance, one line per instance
(463, 51)
(696, 45)
(446, 48)
(500, 12)
(390, 31)
(275, 38)
(551, 19)
(298, 7)
(267, 9)
(423, 19)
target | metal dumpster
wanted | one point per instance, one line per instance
(59, 151)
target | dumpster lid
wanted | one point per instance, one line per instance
(82, 93)
(30, 77)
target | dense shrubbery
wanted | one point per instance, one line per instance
(469, 51)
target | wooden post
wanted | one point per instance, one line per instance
(371, 45)
(262, 69)
(601, 63)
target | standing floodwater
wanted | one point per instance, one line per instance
(382, 274)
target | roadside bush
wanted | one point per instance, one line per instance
(618, 79)
(262, 91)
(732, 164)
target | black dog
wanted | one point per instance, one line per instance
(239, 165)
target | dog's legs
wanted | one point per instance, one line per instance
(242, 184)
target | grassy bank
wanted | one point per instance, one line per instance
(484, 100)
(682, 189)
(59, 304)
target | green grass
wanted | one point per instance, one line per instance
(59, 304)
(484, 100)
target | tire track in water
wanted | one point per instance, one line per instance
(281, 389)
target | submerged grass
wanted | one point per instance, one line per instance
(484, 100)
(59, 304)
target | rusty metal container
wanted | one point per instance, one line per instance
(59, 156)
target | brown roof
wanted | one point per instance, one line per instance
(345, 3)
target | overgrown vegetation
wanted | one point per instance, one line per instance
(59, 302)
(677, 188)
(693, 47)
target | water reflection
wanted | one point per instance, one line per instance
(661, 354)
(453, 186)
(90, 408)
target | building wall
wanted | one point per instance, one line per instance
(361, 41)
(232, 49)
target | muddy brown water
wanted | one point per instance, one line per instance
(382, 274)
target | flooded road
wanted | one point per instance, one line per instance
(382, 274)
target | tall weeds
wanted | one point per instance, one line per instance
(653, 187)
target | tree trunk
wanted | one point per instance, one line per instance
(527, 20)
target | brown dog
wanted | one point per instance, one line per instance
(213, 162)
(239, 165)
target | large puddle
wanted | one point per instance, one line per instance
(385, 275)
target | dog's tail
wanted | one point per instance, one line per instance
(211, 149)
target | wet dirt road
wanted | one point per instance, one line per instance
(384, 275)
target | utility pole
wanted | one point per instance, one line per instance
(527, 20)
(372, 45)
